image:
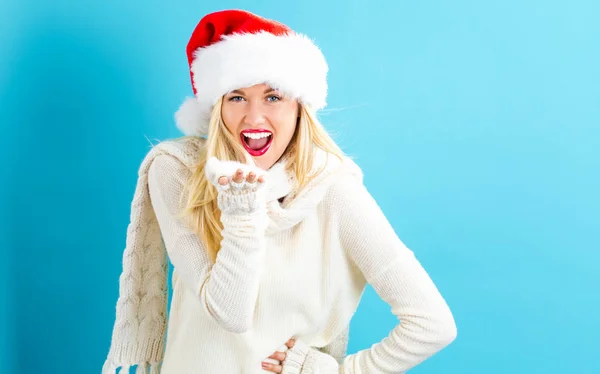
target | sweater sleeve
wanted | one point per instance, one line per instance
(228, 288)
(426, 324)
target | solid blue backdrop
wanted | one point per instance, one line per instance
(477, 125)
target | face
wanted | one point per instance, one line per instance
(263, 120)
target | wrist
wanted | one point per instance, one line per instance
(245, 223)
(295, 357)
(317, 362)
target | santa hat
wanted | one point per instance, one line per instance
(232, 49)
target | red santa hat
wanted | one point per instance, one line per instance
(233, 49)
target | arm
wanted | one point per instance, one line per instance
(228, 288)
(426, 324)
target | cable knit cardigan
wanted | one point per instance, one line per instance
(426, 324)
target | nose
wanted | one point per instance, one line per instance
(255, 114)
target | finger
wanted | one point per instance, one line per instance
(290, 343)
(279, 356)
(223, 181)
(250, 177)
(271, 367)
(238, 176)
(261, 179)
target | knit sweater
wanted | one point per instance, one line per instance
(295, 268)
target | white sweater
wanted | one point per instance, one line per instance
(295, 269)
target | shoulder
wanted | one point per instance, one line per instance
(187, 148)
(173, 154)
(348, 176)
(349, 202)
(164, 165)
(171, 162)
(346, 185)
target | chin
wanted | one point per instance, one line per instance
(263, 162)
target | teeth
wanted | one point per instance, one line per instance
(256, 135)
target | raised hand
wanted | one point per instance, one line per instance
(241, 188)
(238, 177)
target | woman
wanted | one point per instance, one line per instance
(270, 230)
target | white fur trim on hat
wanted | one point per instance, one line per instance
(291, 63)
(190, 118)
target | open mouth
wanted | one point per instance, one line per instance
(256, 142)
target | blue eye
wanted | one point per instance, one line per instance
(236, 98)
(273, 98)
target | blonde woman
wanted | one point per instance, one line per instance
(269, 228)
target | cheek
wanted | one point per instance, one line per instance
(286, 123)
(286, 129)
(230, 118)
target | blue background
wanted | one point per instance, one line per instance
(477, 124)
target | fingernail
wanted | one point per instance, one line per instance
(264, 365)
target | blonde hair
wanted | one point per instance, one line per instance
(200, 202)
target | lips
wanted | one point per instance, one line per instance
(256, 141)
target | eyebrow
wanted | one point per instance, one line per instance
(242, 93)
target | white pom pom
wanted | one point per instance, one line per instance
(191, 119)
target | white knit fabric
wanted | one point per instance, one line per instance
(338, 348)
(295, 269)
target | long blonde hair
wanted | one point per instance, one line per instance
(200, 207)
